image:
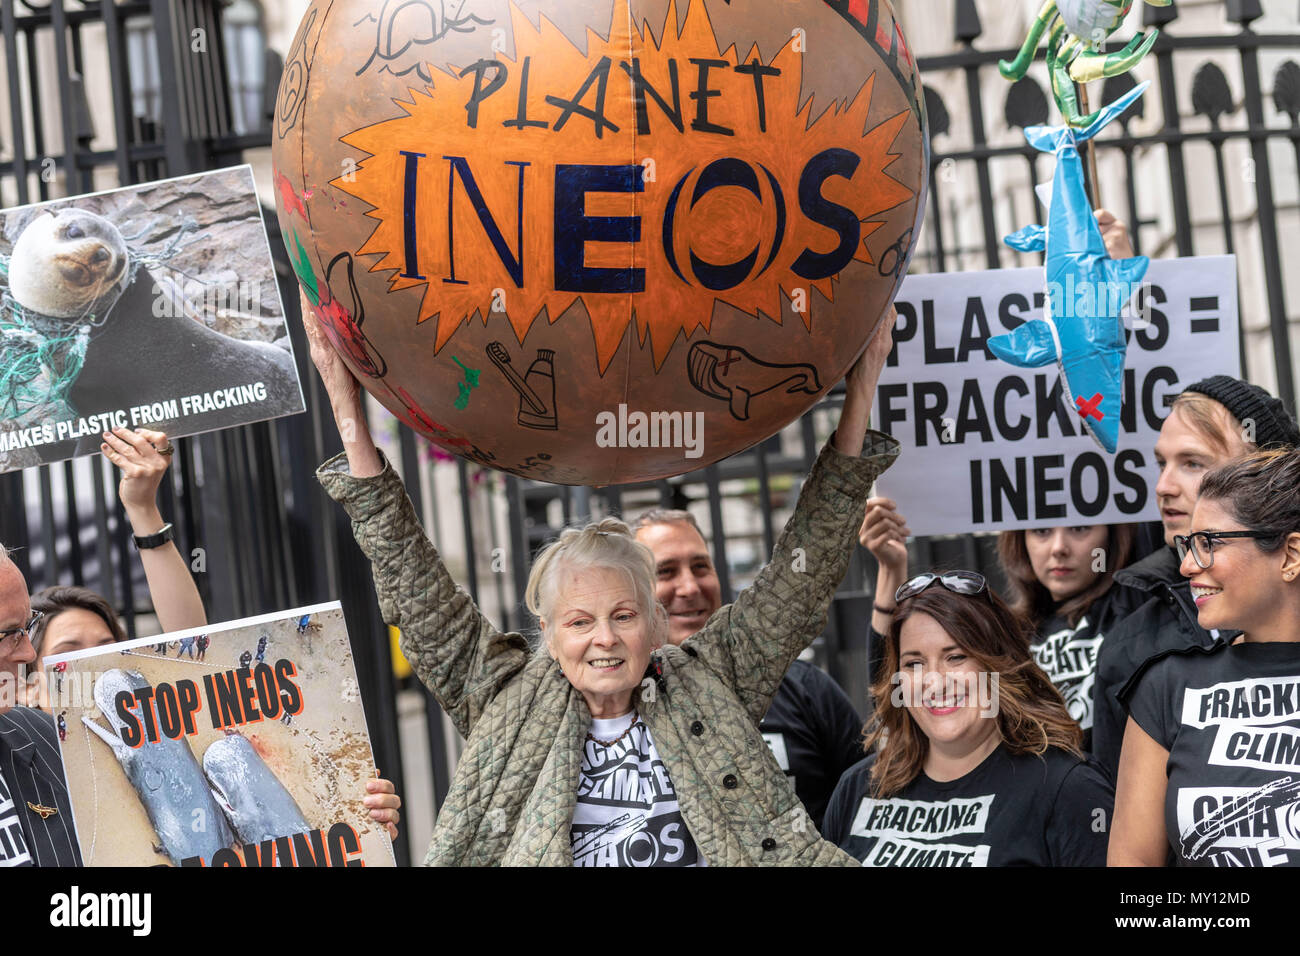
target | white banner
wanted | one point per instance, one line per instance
(991, 447)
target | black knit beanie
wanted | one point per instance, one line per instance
(1250, 403)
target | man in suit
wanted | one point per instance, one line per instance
(35, 813)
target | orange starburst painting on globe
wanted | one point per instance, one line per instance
(671, 115)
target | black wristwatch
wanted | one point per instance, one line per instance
(155, 540)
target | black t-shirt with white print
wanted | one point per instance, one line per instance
(1011, 810)
(814, 733)
(1229, 716)
(1068, 653)
(627, 812)
(1068, 656)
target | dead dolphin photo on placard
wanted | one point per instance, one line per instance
(153, 306)
(242, 744)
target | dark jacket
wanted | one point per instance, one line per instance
(30, 763)
(815, 734)
(1165, 621)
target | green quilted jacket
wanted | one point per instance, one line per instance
(512, 798)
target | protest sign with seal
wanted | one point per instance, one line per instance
(991, 447)
(154, 306)
(241, 744)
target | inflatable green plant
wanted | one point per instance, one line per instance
(1077, 31)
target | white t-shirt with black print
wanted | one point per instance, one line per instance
(627, 812)
(1230, 718)
(13, 845)
(1011, 810)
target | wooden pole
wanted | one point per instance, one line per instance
(1093, 193)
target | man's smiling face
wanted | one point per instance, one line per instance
(686, 584)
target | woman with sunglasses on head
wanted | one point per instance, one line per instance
(1209, 773)
(979, 763)
(1061, 581)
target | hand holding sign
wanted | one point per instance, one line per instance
(143, 456)
(1114, 233)
(382, 801)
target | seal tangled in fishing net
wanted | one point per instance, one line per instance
(65, 274)
(85, 330)
(599, 241)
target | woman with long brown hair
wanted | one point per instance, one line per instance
(1061, 581)
(979, 763)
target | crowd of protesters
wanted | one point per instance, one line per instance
(1000, 729)
(1117, 706)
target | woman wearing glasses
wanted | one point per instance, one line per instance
(1210, 769)
(979, 762)
(1061, 580)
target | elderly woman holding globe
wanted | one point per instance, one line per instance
(515, 216)
(605, 746)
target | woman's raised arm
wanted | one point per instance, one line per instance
(753, 642)
(344, 392)
(143, 457)
(456, 651)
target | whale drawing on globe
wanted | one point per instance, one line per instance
(600, 241)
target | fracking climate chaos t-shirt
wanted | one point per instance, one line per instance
(627, 812)
(1229, 716)
(1068, 656)
(1011, 810)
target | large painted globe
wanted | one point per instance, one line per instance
(600, 241)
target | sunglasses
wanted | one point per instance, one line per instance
(968, 583)
(1201, 544)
